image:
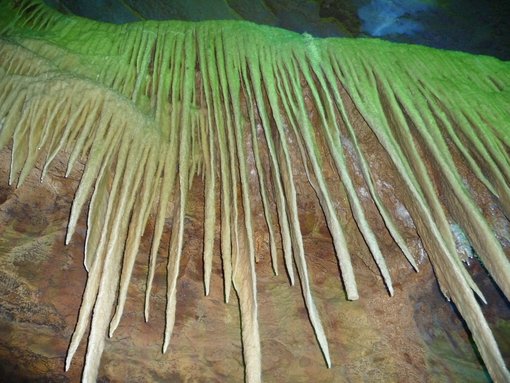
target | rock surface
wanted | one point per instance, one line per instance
(414, 336)
(480, 27)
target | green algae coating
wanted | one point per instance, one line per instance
(152, 104)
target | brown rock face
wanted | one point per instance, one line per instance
(258, 125)
(414, 336)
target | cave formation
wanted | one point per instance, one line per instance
(265, 129)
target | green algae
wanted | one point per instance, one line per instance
(162, 96)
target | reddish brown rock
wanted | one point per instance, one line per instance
(415, 336)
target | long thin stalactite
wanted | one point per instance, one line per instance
(152, 105)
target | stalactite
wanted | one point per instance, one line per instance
(152, 105)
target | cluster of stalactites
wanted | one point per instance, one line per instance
(151, 105)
